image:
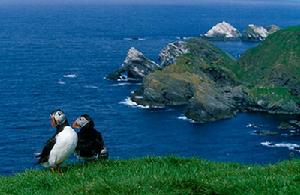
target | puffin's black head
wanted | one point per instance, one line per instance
(58, 118)
(83, 121)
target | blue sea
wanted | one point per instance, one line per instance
(57, 57)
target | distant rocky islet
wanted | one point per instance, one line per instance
(225, 31)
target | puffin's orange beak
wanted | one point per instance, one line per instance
(75, 125)
(53, 122)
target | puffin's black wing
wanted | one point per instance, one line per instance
(44, 156)
(99, 141)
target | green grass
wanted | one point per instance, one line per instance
(279, 52)
(155, 175)
(273, 94)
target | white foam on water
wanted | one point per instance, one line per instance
(129, 102)
(290, 146)
(71, 76)
(182, 117)
(120, 84)
(90, 87)
(124, 83)
(122, 79)
(134, 39)
(250, 125)
(61, 82)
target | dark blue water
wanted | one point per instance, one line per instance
(57, 57)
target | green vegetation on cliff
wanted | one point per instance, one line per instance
(169, 175)
(278, 55)
(272, 71)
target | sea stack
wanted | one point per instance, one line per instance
(223, 31)
(134, 67)
(258, 33)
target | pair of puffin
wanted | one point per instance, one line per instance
(88, 143)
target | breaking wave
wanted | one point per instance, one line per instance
(129, 102)
(61, 82)
(182, 117)
(70, 76)
(90, 87)
(290, 146)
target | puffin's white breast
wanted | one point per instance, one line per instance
(66, 142)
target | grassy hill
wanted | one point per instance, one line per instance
(272, 70)
(279, 53)
(169, 175)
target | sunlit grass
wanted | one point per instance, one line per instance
(155, 175)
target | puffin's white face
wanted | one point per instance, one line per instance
(80, 122)
(57, 118)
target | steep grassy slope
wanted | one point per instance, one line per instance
(168, 175)
(275, 58)
(272, 71)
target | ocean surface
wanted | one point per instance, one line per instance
(57, 57)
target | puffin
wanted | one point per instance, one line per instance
(61, 145)
(90, 145)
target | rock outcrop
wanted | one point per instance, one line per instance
(258, 33)
(134, 68)
(272, 28)
(223, 31)
(169, 54)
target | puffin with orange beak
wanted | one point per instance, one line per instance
(61, 145)
(90, 144)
